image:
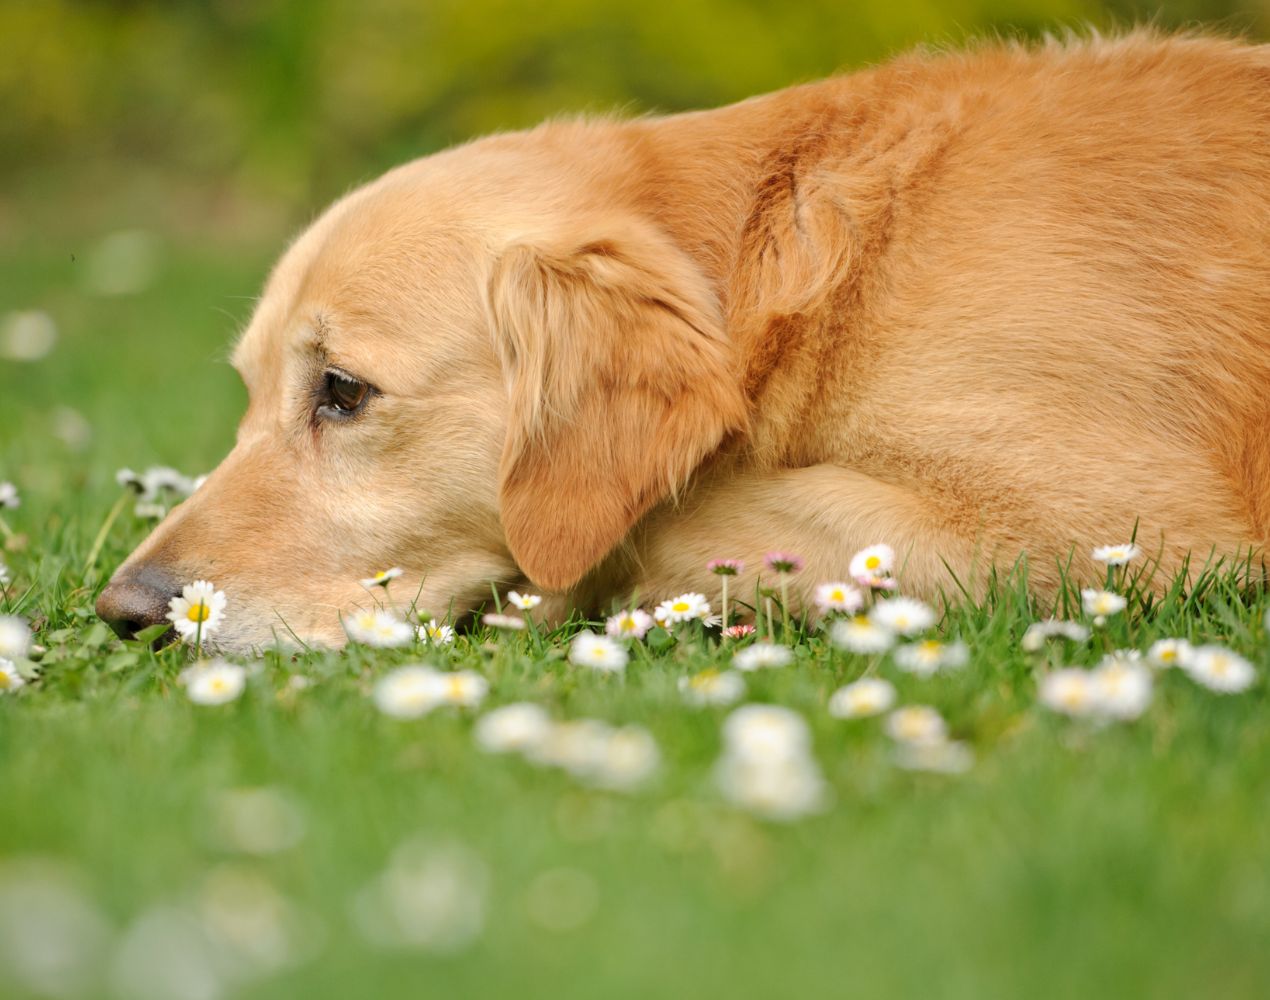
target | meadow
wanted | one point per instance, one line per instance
(297, 840)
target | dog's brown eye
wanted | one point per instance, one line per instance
(344, 395)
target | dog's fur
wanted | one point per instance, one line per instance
(974, 305)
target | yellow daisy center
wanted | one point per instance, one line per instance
(218, 685)
(1168, 654)
(456, 687)
(680, 606)
(1220, 666)
(872, 562)
(198, 612)
(5, 681)
(837, 594)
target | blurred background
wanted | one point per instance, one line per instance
(155, 155)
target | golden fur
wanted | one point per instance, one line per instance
(974, 305)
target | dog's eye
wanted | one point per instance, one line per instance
(342, 395)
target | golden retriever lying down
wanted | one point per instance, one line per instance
(976, 305)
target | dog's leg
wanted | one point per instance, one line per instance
(824, 514)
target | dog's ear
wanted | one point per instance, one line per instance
(621, 380)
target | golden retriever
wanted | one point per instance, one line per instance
(1012, 301)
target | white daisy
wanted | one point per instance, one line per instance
(9, 496)
(1122, 687)
(1166, 653)
(683, 608)
(1218, 669)
(197, 611)
(15, 637)
(860, 635)
(598, 652)
(784, 788)
(762, 654)
(713, 687)
(408, 692)
(930, 656)
(4, 575)
(838, 597)
(918, 724)
(214, 682)
(578, 746)
(628, 758)
(1038, 632)
(902, 615)
(508, 623)
(382, 578)
(945, 757)
(865, 697)
(766, 732)
(1102, 602)
(461, 688)
(10, 679)
(378, 628)
(629, 624)
(512, 728)
(874, 561)
(1070, 691)
(434, 632)
(525, 602)
(1116, 555)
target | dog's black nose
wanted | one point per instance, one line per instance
(136, 601)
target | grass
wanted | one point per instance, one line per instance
(1072, 860)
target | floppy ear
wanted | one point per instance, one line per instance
(621, 381)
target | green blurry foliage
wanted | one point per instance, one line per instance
(295, 101)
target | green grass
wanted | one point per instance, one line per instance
(1072, 860)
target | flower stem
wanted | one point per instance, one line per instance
(724, 601)
(103, 532)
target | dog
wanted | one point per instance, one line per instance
(999, 304)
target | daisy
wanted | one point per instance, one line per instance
(838, 597)
(214, 682)
(874, 562)
(10, 679)
(9, 496)
(783, 789)
(1038, 632)
(197, 612)
(512, 728)
(865, 697)
(926, 658)
(15, 637)
(918, 724)
(378, 628)
(1102, 602)
(725, 567)
(408, 692)
(712, 687)
(1070, 691)
(1218, 669)
(627, 758)
(902, 615)
(598, 652)
(629, 624)
(762, 654)
(683, 608)
(1122, 687)
(1166, 653)
(4, 575)
(738, 631)
(578, 746)
(509, 623)
(462, 688)
(783, 562)
(382, 578)
(766, 733)
(860, 635)
(1116, 555)
(435, 633)
(947, 757)
(525, 602)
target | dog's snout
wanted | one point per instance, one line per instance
(136, 601)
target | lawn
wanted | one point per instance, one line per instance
(1075, 857)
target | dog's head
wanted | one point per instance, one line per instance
(478, 368)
